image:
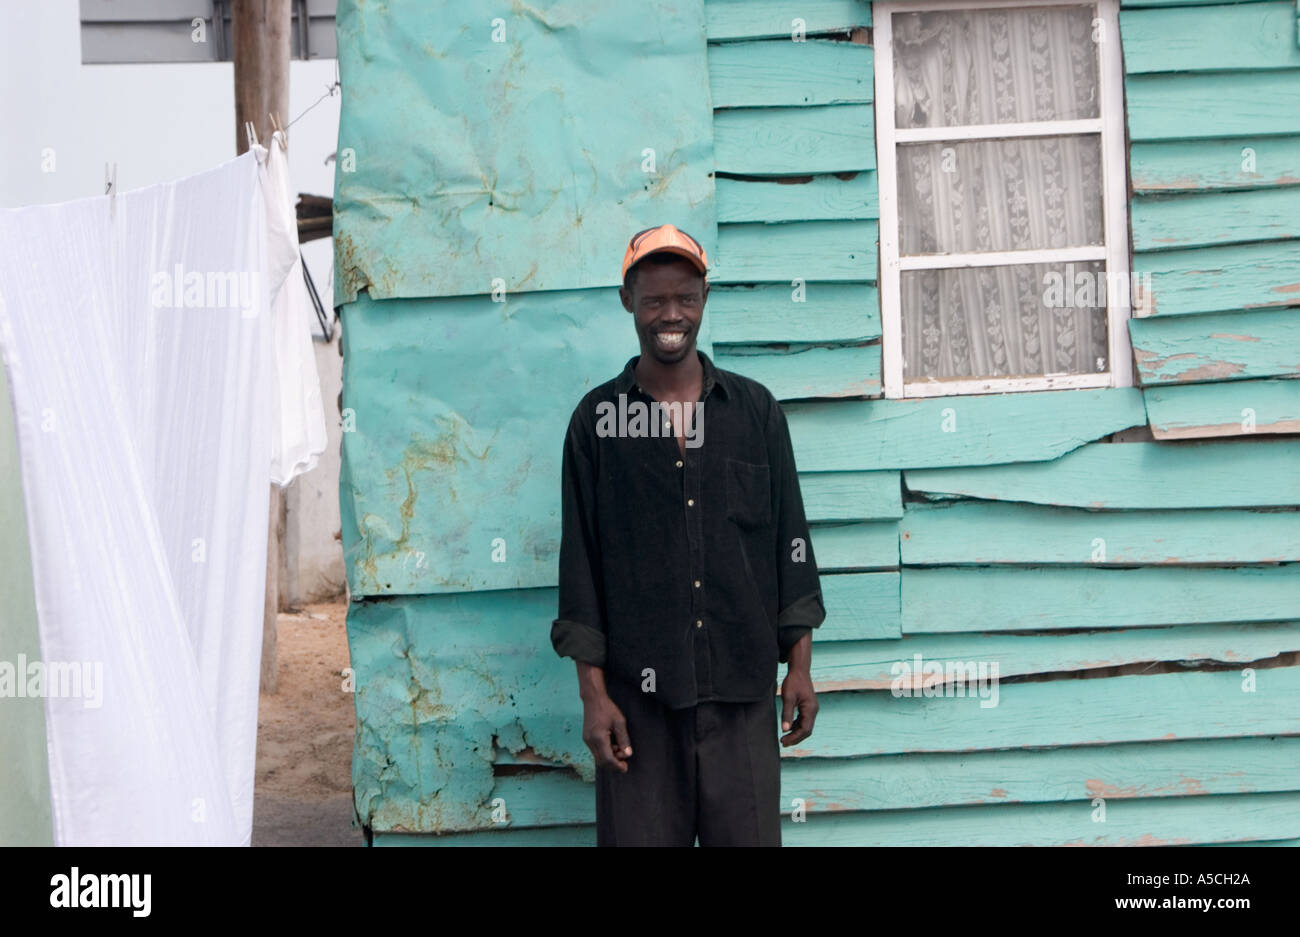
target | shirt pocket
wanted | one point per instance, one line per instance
(749, 494)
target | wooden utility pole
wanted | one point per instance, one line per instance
(261, 55)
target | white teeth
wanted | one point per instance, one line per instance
(671, 338)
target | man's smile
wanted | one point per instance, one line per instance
(670, 339)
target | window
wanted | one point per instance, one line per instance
(1003, 210)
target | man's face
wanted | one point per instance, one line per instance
(667, 304)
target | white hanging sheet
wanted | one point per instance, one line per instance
(142, 353)
(298, 422)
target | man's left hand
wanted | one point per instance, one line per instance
(797, 693)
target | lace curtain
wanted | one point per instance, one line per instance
(967, 67)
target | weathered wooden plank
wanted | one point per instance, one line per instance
(950, 599)
(1135, 475)
(1221, 279)
(1140, 708)
(1158, 822)
(1115, 772)
(860, 546)
(539, 798)
(819, 198)
(859, 606)
(1210, 39)
(1196, 165)
(876, 664)
(851, 496)
(779, 72)
(794, 372)
(1212, 218)
(1173, 107)
(795, 140)
(1137, 4)
(909, 782)
(803, 250)
(761, 19)
(1224, 819)
(948, 431)
(529, 836)
(1217, 346)
(813, 312)
(969, 532)
(1230, 408)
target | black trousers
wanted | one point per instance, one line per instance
(712, 771)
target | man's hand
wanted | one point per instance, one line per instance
(605, 731)
(603, 727)
(797, 693)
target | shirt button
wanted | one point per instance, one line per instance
(697, 583)
(690, 502)
(699, 624)
(679, 463)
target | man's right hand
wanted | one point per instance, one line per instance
(603, 727)
(605, 731)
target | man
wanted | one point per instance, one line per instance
(686, 572)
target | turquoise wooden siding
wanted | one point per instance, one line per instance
(1139, 599)
(1214, 212)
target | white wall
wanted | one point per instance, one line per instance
(60, 121)
(313, 499)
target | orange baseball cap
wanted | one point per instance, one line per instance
(665, 238)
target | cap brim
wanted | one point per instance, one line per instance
(671, 249)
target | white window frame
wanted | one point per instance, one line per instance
(1111, 127)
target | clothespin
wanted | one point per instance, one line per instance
(284, 134)
(251, 133)
(110, 189)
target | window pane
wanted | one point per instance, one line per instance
(1018, 320)
(995, 195)
(962, 67)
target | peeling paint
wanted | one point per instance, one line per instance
(442, 685)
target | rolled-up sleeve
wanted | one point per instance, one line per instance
(798, 584)
(579, 627)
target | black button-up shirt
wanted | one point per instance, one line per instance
(691, 574)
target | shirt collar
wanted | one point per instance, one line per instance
(713, 377)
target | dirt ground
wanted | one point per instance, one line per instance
(303, 795)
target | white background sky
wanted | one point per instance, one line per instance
(157, 122)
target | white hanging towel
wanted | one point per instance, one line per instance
(142, 353)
